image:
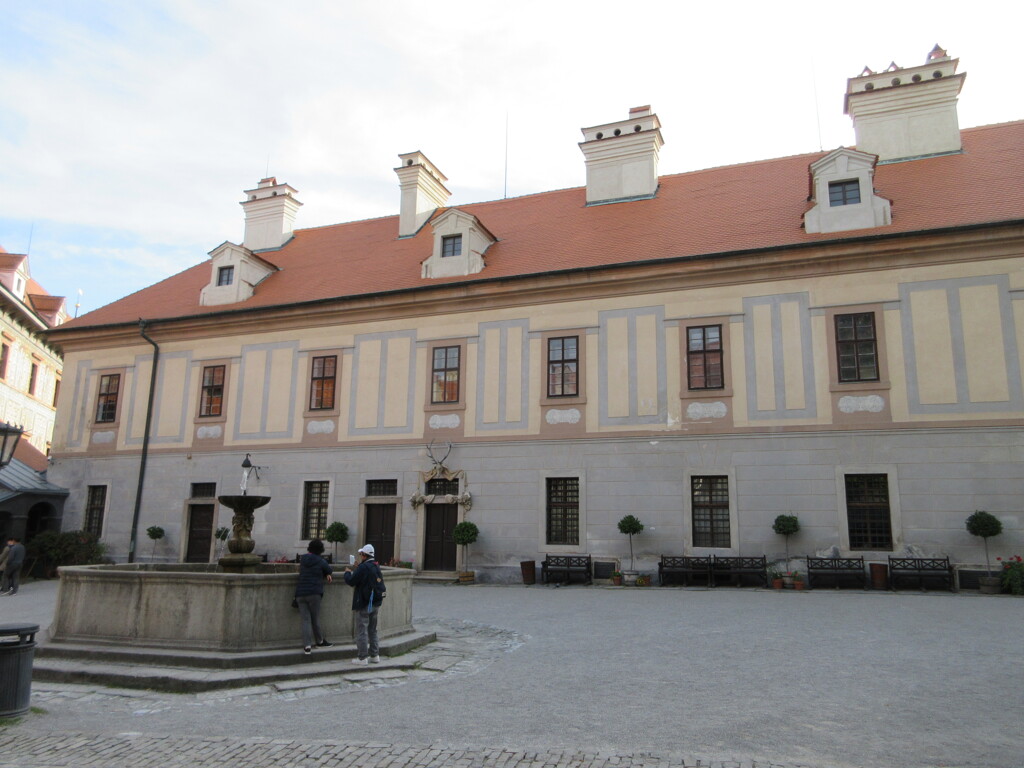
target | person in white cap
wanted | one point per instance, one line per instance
(367, 584)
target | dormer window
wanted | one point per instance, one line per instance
(843, 192)
(459, 243)
(235, 271)
(225, 275)
(451, 245)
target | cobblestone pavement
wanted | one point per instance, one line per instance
(75, 750)
(585, 677)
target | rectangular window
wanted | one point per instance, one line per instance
(451, 245)
(314, 509)
(106, 402)
(321, 384)
(203, 490)
(95, 504)
(843, 193)
(225, 275)
(33, 378)
(5, 353)
(563, 364)
(867, 512)
(704, 357)
(445, 387)
(382, 488)
(439, 486)
(857, 347)
(211, 401)
(563, 512)
(709, 496)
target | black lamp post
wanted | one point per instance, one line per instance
(9, 437)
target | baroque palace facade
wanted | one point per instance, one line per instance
(835, 335)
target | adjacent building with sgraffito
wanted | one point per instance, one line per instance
(836, 335)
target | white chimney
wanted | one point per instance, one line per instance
(905, 113)
(269, 215)
(622, 158)
(423, 191)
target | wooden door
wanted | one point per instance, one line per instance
(200, 533)
(439, 549)
(380, 530)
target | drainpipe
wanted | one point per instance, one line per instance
(145, 443)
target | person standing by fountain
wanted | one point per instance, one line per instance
(363, 579)
(313, 569)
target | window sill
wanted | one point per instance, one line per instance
(321, 413)
(854, 386)
(211, 419)
(572, 400)
(704, 394)
(458, 406)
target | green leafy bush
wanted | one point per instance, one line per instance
(630, 525)
(54, 549)
(986, 525)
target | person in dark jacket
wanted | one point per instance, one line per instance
(309, 592)
(12, 567)
(362, 580)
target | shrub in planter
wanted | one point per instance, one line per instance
(336, 533)
(155, 532)
(630, 526)
(786, 525)
(986, 525)
(464, 534)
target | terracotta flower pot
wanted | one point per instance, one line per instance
(799, 585)
(777, 584)
(616, 581)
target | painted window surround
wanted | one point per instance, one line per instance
(895, 515)
(689, 548)
(542, 514)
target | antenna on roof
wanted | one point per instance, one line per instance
(31, 231)
(817, 106)
(505, 194)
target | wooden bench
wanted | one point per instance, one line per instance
(836, 568)
(921, 568)
(566, 566)
(735, 568)
(685, 566)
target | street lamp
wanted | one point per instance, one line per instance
(9, 437)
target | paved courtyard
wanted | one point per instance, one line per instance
(583, 677)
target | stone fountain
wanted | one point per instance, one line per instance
(203, 626)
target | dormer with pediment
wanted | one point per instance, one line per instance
(460, 241)
(235, 271)
(842, 190)
(14, 273)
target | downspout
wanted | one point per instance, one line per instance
(145, 442)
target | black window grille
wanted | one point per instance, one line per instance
(563, 510)
(441, 487)
(867, 512)
(95, 505)
(314, 509)
(225, 275)
(857, 347)
(382, 488)
(204, 490)
(709, 497)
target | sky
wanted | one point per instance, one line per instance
(129, 130)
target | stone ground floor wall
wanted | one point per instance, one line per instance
(936, 478)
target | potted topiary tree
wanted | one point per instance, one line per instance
(986, 525)
(155, 532)
(786, 525)
(630, 526)
(336, 533)
(464, 534)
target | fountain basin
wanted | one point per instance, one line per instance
(201, 608)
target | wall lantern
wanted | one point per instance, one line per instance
(9, 437)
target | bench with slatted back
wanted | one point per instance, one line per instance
(565, 567)
(735, 568)
(922, 568)
(684, 566)
(837, 569)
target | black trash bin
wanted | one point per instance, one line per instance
(17, 647)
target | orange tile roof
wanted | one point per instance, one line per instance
(719, 210)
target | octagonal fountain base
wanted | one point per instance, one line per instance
(185, 617)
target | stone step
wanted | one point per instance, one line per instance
(173, 657)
